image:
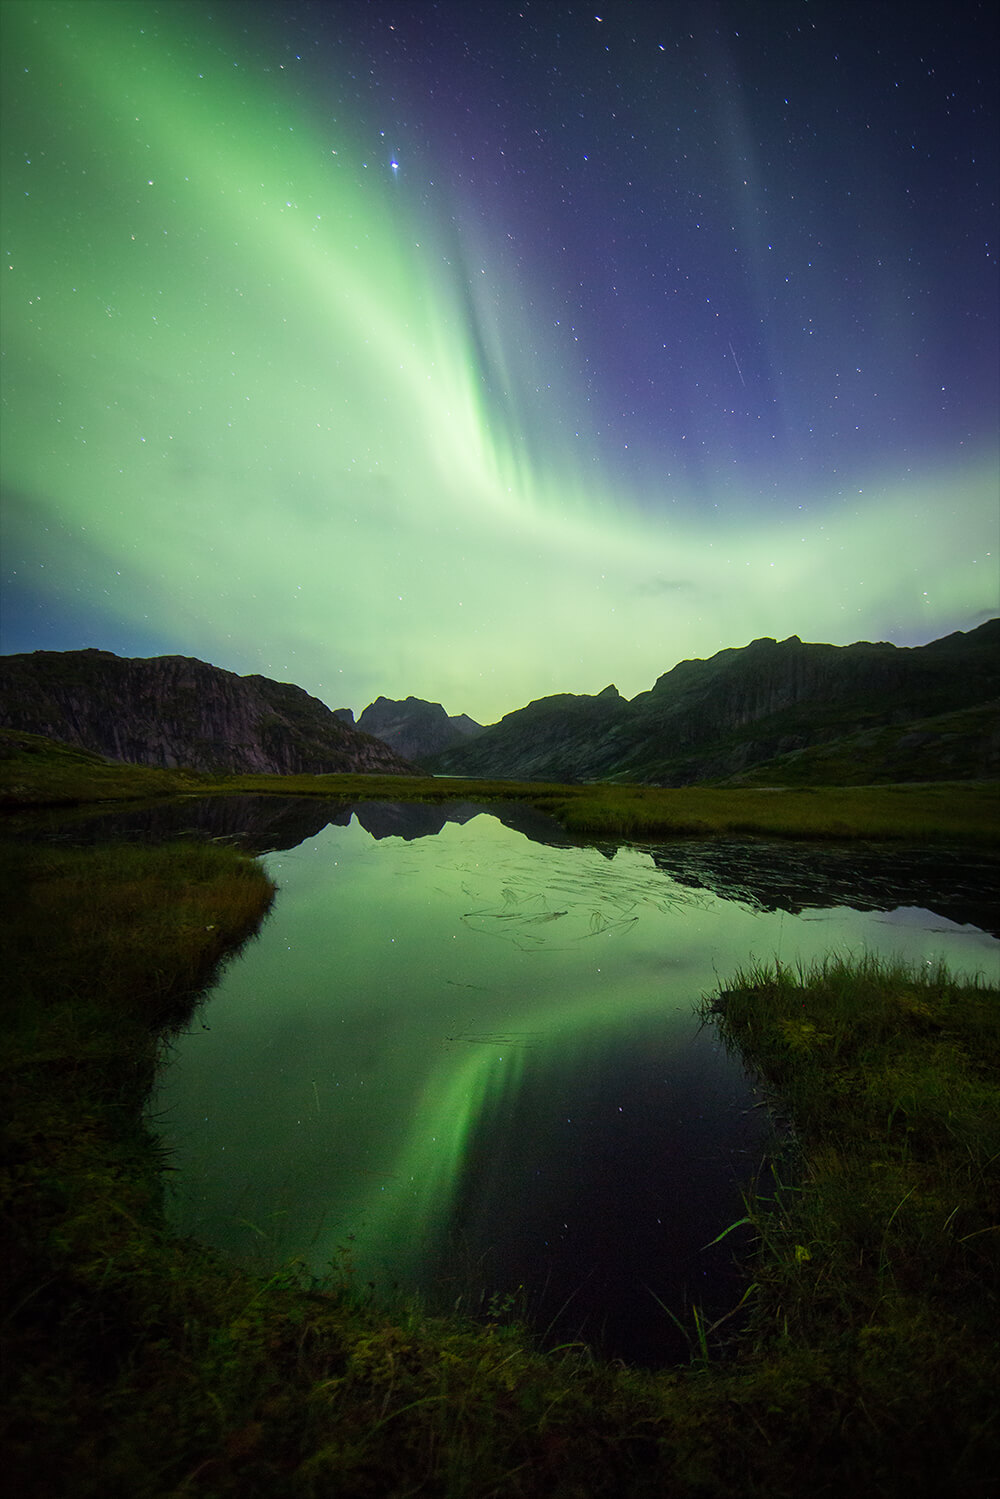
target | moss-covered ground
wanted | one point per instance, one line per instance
(136, 1363)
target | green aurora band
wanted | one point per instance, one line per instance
(253, 413)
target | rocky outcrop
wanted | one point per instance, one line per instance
(175, 711)
(709, 720)
(415, 728)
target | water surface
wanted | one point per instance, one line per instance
(468, 1062)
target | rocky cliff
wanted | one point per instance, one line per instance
(175, 711)
(742, 708)
(416, 728)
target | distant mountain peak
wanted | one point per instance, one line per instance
(414, 727)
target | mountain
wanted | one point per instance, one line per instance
(554, 738)
(743, 708)
(416, 728)
(772, 712)
(176, 711)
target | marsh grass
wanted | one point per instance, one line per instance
(966, 812)
(877, 1219)
(140, 1364)
(103, 949)
(40, 772)
(84, 922)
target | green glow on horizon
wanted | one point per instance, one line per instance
(249, 408)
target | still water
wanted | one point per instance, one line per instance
(468, 1065)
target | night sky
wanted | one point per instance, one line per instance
(480, 351)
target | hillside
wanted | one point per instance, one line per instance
(743, 708)
(175, 711)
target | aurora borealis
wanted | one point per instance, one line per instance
(485, 350)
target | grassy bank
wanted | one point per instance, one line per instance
(963, 812)
(136, 1363)
(35, 773)
(878, 1271)
(40, 772)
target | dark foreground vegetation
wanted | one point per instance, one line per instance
(36, 772)
(139, 1364)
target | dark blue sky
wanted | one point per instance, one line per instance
(765, 232)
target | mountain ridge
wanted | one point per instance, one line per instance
(739, 709)
(770, 706)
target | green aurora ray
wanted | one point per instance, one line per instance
(253, 412)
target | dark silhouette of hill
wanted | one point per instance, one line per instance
(773, 712)
(175, 711)
(927, 711)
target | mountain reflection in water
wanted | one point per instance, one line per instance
(772, 874)
(463, 1052)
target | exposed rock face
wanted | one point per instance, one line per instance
(740, 709)
(175, 711)
(416, 728)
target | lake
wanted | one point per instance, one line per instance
(462, 1059)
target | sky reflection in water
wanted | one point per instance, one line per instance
(472, 1059)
